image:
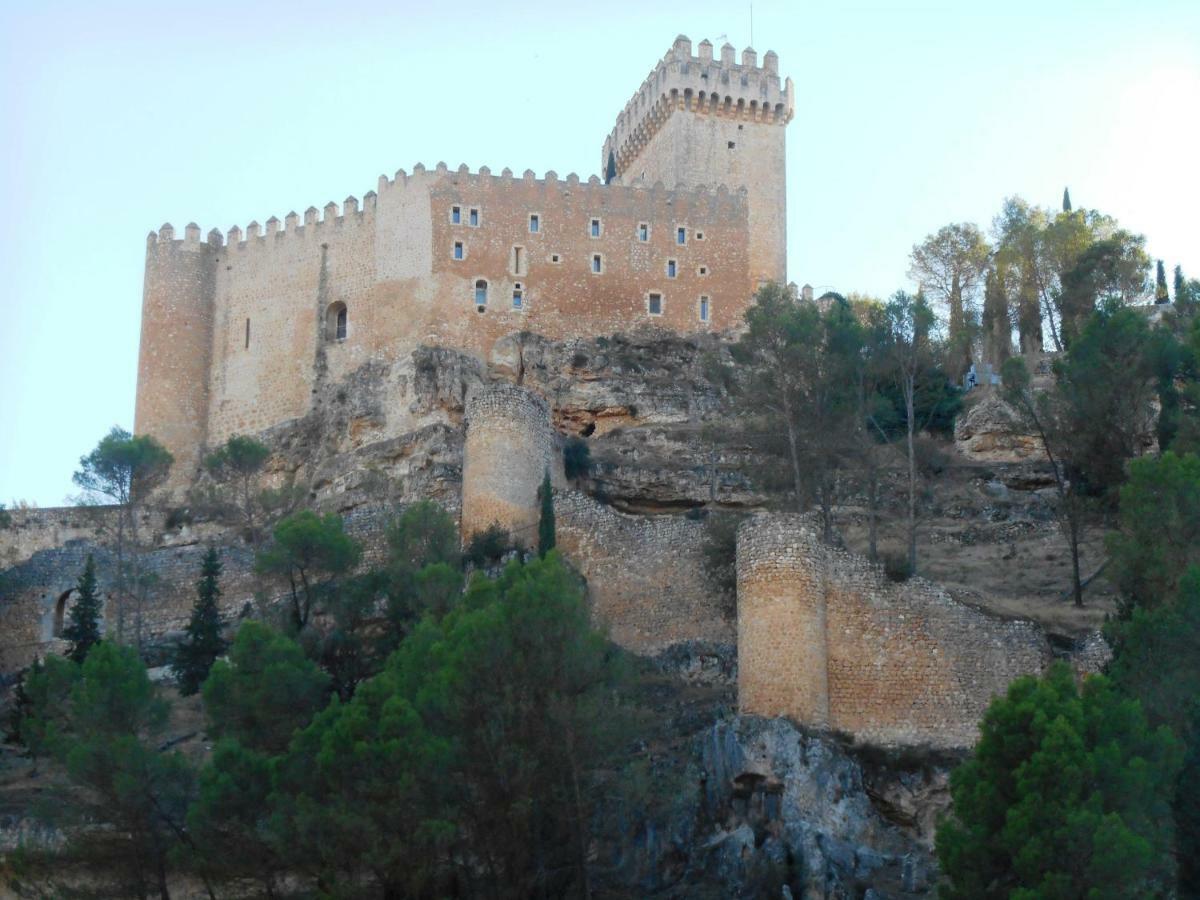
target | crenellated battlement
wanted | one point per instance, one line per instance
(701, 84)
(720, 198)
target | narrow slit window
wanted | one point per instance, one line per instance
(518, 260)
(458, 249)
(654, 304)
(703, 309)
(247, 334)
(643, 232)
(681, 235)
(481, 291)
(535, 223)
(594, 228)
(597, 264)
(672, 268)
(456, 215)
(473, 218)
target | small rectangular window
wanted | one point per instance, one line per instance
(247, 334)
(672, 268)
(597, 263)
(458, 249)
(555, 258)
(518, 297)
(535, 224)
(703, 270)
(473, 218)
(703, 309)
(654, 304)
(643, 233)
(594, 229)
(699, 235)
(681, 235)
(456, 214)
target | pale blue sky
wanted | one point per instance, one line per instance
(122, 115)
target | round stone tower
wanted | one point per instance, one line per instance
(509, 449)
(781, 612)
(176, 346)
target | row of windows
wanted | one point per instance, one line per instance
(655, 303)
(337, 318)
(518, 258)
(595, 225)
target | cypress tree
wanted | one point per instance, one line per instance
(1066, 200)
(83, 624)
(1180, 283)
(546, 519)
(202, 642)
(1160, 285)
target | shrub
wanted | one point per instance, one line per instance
(577, 459)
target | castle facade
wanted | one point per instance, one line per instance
(240, 330)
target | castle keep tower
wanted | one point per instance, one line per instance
(176, 345)
(701, 121)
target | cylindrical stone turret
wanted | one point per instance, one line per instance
(781, 612)
(509, 448)
(176, 348)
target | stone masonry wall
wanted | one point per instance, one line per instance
(509, 448)
(825, 638)
(645, 574)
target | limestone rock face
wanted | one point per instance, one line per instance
(777, 808)
(990, 431)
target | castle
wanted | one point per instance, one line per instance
(442, 337)
(239, 331)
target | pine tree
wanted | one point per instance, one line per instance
(546, 519)
(1160, 285)
(83, 626)
(202, 644)
(1066, 200)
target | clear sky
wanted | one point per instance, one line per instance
(121, 115)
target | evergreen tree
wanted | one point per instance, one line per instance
(546, 519)
(1067, 795)
(1066, 199)
(202, 643)
(83, 625)
(1180, 283)
(1160, 284)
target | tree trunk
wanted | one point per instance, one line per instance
(1073, 526)
(794, 449)
(910, 409)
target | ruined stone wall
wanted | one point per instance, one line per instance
(35, 592)
(645, 574)
(509, 448)
(902, 664)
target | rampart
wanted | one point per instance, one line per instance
(825, 638)
(645, 574)
(509, 449)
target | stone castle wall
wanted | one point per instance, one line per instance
(825, 638)
(645, 574)
(510, 446)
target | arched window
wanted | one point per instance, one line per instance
(336, 320)
(481, 288)
(65, 601)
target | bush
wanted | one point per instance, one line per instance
(488, 546)
(720, 556)
(577, 459)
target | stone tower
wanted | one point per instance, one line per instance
(176, 345)
(696, 121)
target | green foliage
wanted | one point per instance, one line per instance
(122, 466)
(265, 692)
(423, 535)
(202, 642)
(486, 547)
(22, 703)
(577, 459)
(101, 723)
(950, 265)
(236, 466)
(1160, 284)
(720, 555)
(546, 535)
(5, 517)
(305, 549)
(1066, 201)
(82, 628)
(1066, 795)
(1159, 534)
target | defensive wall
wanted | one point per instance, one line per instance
(826, 639)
